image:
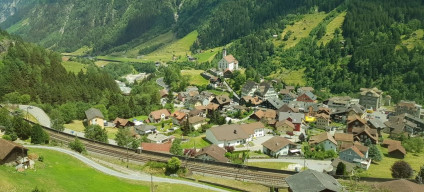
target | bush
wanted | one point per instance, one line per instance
(77, 146)
(229, 148)
(41, 158)
(341, 169)
(173, 165)
(7, 137)
(401, 169)
(156, 165)
(38, 135)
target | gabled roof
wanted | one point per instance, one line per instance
(285, 122)
(287, 108)
(178, 115)
(212, 106)
(229, 132)
(93, 113)
(222, 99)
(374, 92)
(322, 137)
(195, 112)
(144, 127)
(230, 59)
(276, 143)
(157, 147)
(310, 95)
(248, 86)
(295, 117)
(252, 100)
(196, 119)
(275, 102)
(122, 122)
(7, 146)
(353, 118)
(312, 181)
(355, 150)
(400, 185)
(157, 114)
(251, 127)
(377, 123)
(396, 147)
(343, 137)
(391, 142)
(215, 152)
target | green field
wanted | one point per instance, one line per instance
(199, 141)
(14, 28)
(336, 23)
(195, 77)
(382, 169)
(80, 52)
(216, 92)
(207, 55)
(61, 173)
(74, 67)
(416, 38)
(179, 48)
(290, 77)
(300, 29)
(161, 39)
(76, 125)
(119, 59)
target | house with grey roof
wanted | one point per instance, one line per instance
(273, 103)
(95, 117)
(296, 118)
(144, 129)
(249, 88)
(212, 153)
(234, 134)
(371, 98)
(266, 91)
(313, 181)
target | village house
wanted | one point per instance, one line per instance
(409, 107)
(266, 91)
(394, 148)
(296, 118)
(284, 127)
(307, 97)
(371, 98)
(158, 116)
(268, 115)
(362, 134)
(158, 138)
(277, 146)
(95, 117)
(196, 122)
(302, 90)
(228, 62)
(355, 122)
(234, 134)
(311, 180)
(343, 138)
(249, 88)
(336, 103)
(272, 103)
(212, 153)
(287, 97)
(11, 151)
(222, 100)
(287, 108)
(354, 155)
(144, 129)
(157, 147)
(324, 139)
(120, 123)
(178, 117)
(322, 120)
(250, 101)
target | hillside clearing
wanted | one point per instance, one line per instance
(195, 77)
(157, 41)
(416, 38)
(300, 29)
(290, 77)
(74, 67)
(336, 23)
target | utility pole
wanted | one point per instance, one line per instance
(151, 182)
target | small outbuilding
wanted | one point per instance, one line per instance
(11, 151)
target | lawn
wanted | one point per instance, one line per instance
(207, 55)
(74, 67)
(76, 125)
(331, 28)
(382, 169)
(271, 165)
(290, 77)
(199, 141)
(179, 48)
(61, 173)
(80, 52)
(300, 29)
(111, 132)
(139, 118)
(195, 77)
(217, 92)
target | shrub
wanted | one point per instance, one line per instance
(229, 148)
(41, 158)
(156, 165)
(77, 146)
(7, 137)
(341, 169)
(401, 169)
(173, 165)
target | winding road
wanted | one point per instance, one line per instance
(137, 177)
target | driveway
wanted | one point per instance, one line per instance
(38, 113)
(318, 165)
(162, 83)
(257, 144)
(138, 176)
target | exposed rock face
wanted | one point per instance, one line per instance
(7, 9)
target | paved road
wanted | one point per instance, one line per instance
(317, 165)
(38, 113)
(232, 91)
(162, 83)
(137, 177)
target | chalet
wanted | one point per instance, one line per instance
(322, 120)
(249, 88)
(222, 100)
(228, 62)
(250, 101)
(228, 73)
(212, 153)
(178, 117)
(266, 91)
(119, 123)
(157, 147)
(362, 134)
(11, 151)
(234, 134)
(277, 146)
(266, 115)
(325, 139)
(287, 108)
(158, 116)
(212, 107)
(295, 118)
(95, 117)
(355, 122)
(144, 129)
(357, 110)
(400, 185)
(196, 122)
(307, 97)
(284, 127)
(197, 112)
(272, 103)
(376, 124)
(311, 180)
(409, 107)
(343, 138)
(354, 155)
(337, 103)
(395, 148)
(287, 97)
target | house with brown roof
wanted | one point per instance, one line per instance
(120, 123)
(277, 146)
(365, 133)
(409, 107)
(250, 101)
(355, 122)
(158, 116)
(388, 142)
(95, 117)
(307, 97)
(178, 117)
(400, 185)
(395, 148)
(322, 120)
(324, 139)
(212, 153)
(343, 138)
(228, 62)
(222, 100)
(268, 115)
(234, 134)
(371, 98)
(284, 127)
(157, 147)
(196, 122)
(11, 151)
